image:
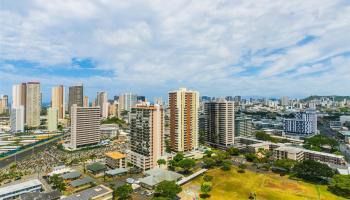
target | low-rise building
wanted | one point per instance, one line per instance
(115, 160)
(99, 192)
(285, 152)
(13, 191)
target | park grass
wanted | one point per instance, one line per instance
(234, 185)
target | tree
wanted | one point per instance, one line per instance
(220, 156)
(187, 164)
(286, 164)
(167, 146)
(178, 157)
(318, 141)
(313, 171)
(233, 151)
(208, 163)
(208, 153)
(167, 189)
(123, 192)
(161, 162)
(261, 135)
(205, 189)
(226, 166)
(160, 198)
(207, 178)
(201, 137)
(251, 157)
(340, 185)
(172, 164)
(57, 182)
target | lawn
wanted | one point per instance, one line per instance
(234, 185)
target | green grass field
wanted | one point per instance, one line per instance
(233, 185)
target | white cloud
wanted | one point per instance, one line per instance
(166, 44)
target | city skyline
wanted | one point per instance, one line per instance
(245, 48)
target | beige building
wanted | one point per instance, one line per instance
(183, 106)
(85, 126)
(19, 97)
(57, 100)
(219, 123)
(33, 104)
(86, 101)
(146, 135)
(113, 109)
(102, 102)
(52, 119)
(115, 160)
(285, 152)
(4, 108)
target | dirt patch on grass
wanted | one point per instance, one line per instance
(283, 186)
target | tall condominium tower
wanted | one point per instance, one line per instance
(33, 104)
(86, 101)
(183, 106)
(85, 126)
(244, 126)
(146, 135)
(102, 101)
(127, 101)
(19, 96)
(219, 123)
(284, 101)
(75, 96)
(17, 119)
(4, 104)
(57, 100)
(304, 123)
(52, 119)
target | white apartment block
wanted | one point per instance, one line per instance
(304, 123)
(85, 126)
(17, 119)
(52, 119)
(146, 135)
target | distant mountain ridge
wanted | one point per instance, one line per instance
(336, 97)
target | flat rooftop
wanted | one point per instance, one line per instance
(90, 193)
(19, 186)
(115, 155)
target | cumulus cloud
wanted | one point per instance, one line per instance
(218, 47)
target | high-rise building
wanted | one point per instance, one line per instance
(127, 101)
(75, 96)
(86, 101)
(102, 102)
(52, 119)
(146, 135)
(244, 126)
(17, 119)
(304, 123)
(183, 119)
(33, 104)
(4, 104)
(237, 99)
(219, 123)
(85, 126)
(113, 109)
(284, 101)
(19, 96)
(57, 100)
(141, 98)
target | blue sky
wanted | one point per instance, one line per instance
(234, 47)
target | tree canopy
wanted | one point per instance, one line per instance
(318, 141)
(187, 164)
(340, 185)
(313, 171)
(167, 189)
(123, 192)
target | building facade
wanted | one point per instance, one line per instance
(183, 120)
(75, 96)
(52, 119)
(33, 104)
(4, 107)
(85, 126)
(17, 119)
(57, 100)
(146, 135)
(102, 102)
(19, 96)
(244, 126)
(304, 123)
(86, 102)
(127, 101)
(219, 123)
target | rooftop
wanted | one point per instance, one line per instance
(289, 149)
(117, 171)
(71, 175)
(115, 155)
(158, 175)
(82, 181)
(90, 193)
(96, 167)
(19, 186)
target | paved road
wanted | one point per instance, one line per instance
(22, 155)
